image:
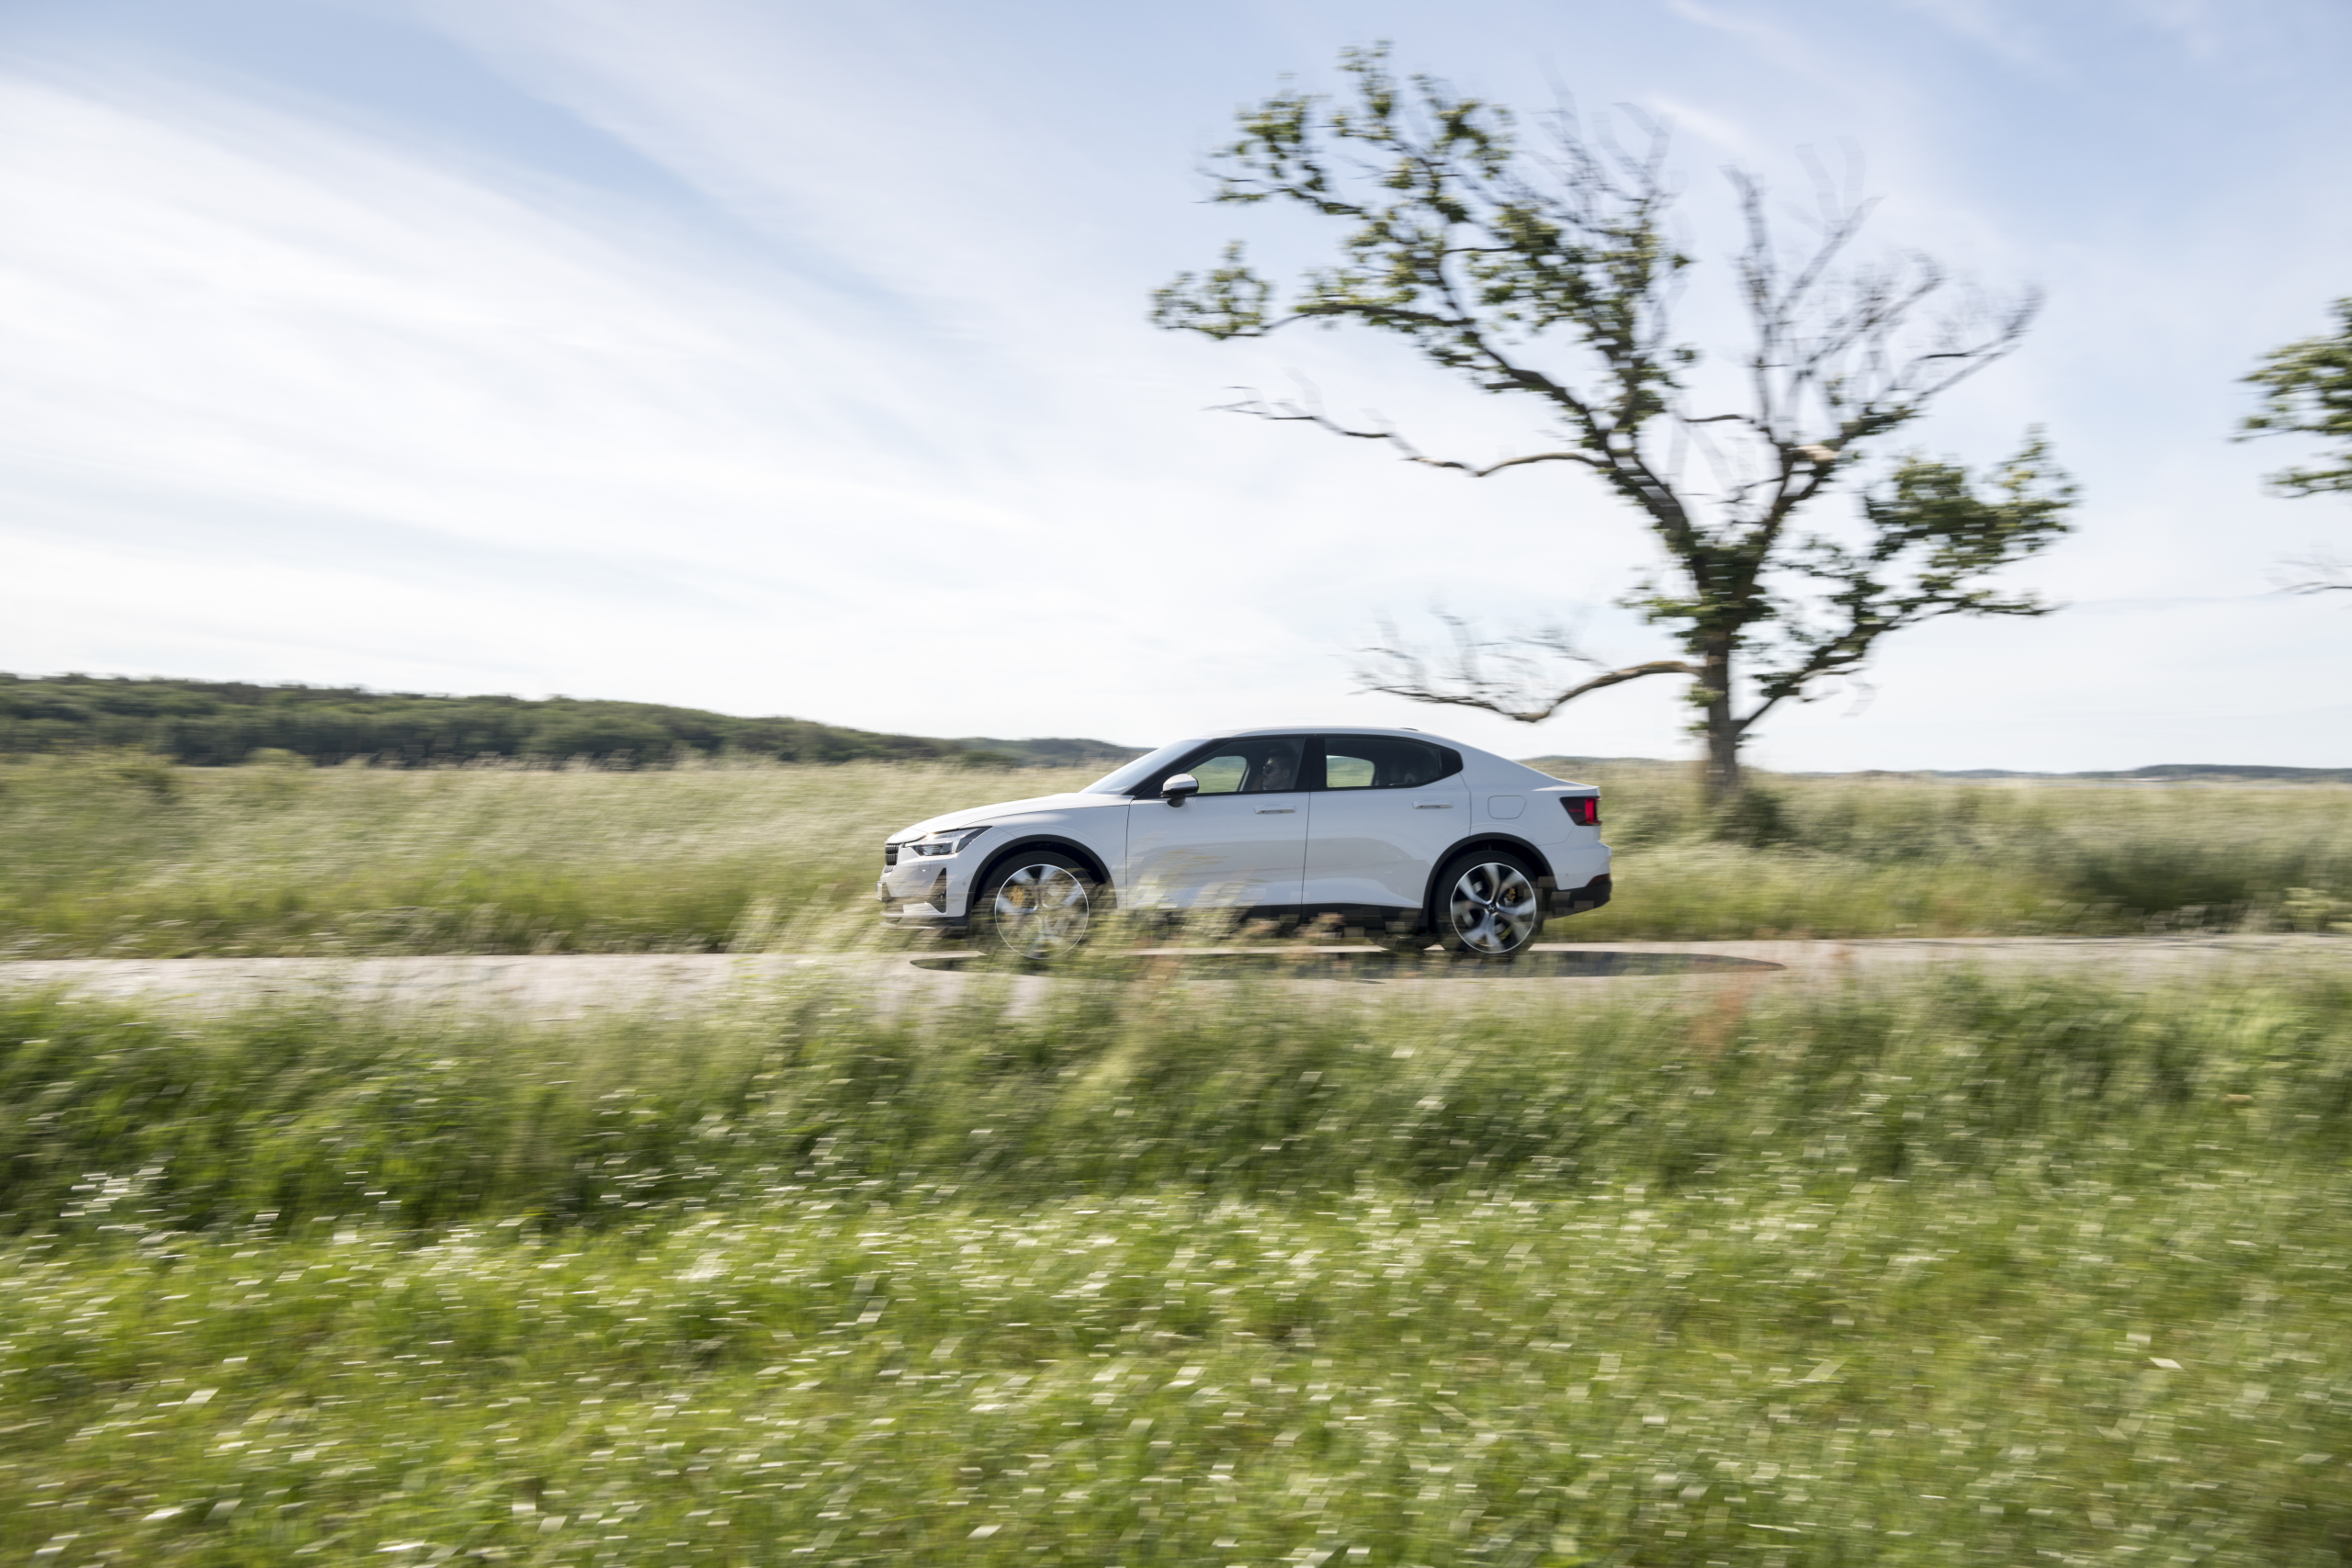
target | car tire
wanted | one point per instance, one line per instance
(1487, 904)
(1037, 905)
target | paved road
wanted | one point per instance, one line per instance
(573, 987)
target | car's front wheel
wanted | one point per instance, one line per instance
(1035, 905)
(1488, 906)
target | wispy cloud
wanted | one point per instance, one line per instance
(234, 325)
(840, 400)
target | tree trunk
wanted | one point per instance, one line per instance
(1722, 781)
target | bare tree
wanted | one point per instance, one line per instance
(1547, 273)
(2315, 573)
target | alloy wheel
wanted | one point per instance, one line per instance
(1494, 909)
(1042, 910)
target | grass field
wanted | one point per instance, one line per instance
(1172, 1271)
(119, 855)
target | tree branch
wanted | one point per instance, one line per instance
(1544, 709)
(1468, 684)
(1935, 540)
(2307, 390)
(1291, 412)
(2316, 574)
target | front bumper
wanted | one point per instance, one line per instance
(924, 917)
(924, 894)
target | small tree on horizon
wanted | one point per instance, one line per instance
(1549, 275)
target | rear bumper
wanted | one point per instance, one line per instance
(1578, 900)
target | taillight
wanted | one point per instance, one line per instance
(1584, 810)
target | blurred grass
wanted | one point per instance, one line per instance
(1228, 1087)
(1892, 856)
(121, 855)
(1179, 1271)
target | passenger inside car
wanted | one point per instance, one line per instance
(1256, 767)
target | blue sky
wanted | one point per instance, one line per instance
(784, 358)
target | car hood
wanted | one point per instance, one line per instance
(1005, 811)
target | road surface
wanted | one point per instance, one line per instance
(576, 986)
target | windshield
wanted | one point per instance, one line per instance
(1140, 770)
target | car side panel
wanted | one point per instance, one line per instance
(1374, 848)
(1216, 852)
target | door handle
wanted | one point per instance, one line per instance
(1277, 810)
(1433, 806)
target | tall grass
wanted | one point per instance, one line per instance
(1175, 1270)
(121, 1121)
(1900, 856)
(122, 856)
(119, 855)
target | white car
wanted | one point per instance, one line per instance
(1389, 835)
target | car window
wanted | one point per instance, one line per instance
(1258, 765)
(1384, 761)
(1149, 768)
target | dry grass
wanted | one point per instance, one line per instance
(121, 856)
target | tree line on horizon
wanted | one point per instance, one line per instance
(223, 723)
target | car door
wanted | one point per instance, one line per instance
(1239, 843)
(1387, 808)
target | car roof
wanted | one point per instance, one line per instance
(1331, 730)
(1474, 753)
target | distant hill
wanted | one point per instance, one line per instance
(1056, 752)
(1548, 762)
(2179, 772)
(219, 723)
(2160, 773)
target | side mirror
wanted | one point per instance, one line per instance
(1179, 788)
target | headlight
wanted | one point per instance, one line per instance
(945, 843)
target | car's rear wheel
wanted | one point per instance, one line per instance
(1488, 906)
(1037, 904)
